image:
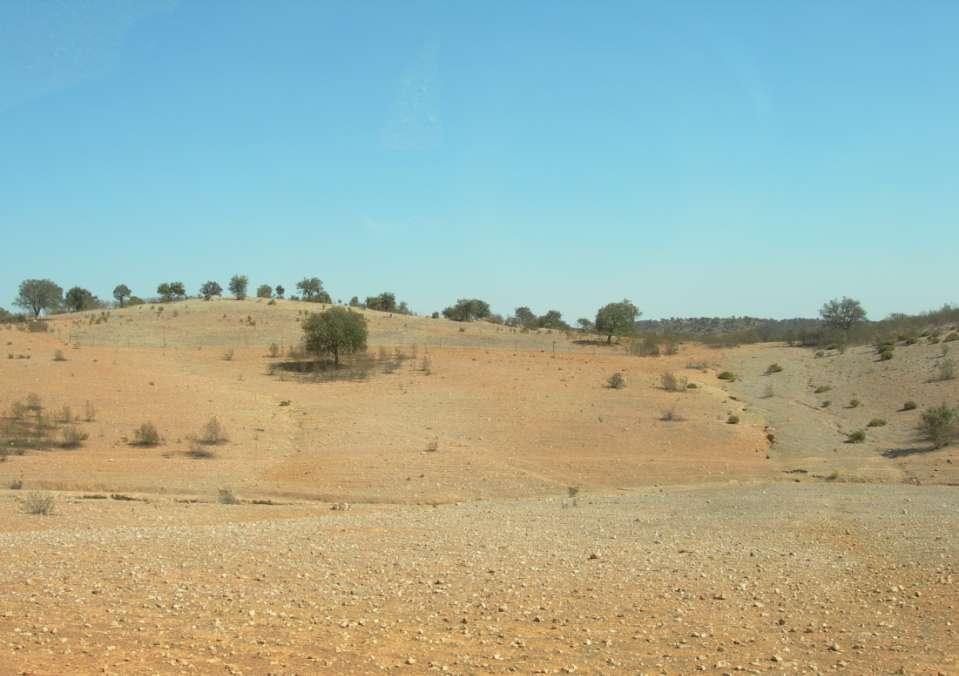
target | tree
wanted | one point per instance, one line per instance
(280, 290)
(525, 317)
(310, 288)
(842, 314)
(552, 320)
(78, 299)
(120, 292)
(385, 302)
(355, 302)
(165, 292)
(403, 309)
(467, 309)
(939, 425)
(264, 291)
(334, 332)
(585, 324)
(238, 284)
(617, 319)
(178, 290)
(38, 295)
(210, 289)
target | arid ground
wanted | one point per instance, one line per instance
(479, 501)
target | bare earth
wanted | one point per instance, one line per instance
(692, 545)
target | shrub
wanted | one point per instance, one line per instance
(670, 415)
(939, 425)
(876, 422)
(856, 437)
(773, 368)
(264, 291)
(433, 446)
(212, 433)
(228, 355)
(146, 435)
(58, 356)
(72, 437)
(616, 381)
(727, 375)
(40, 504)
(945, 370)
(822, 388)
(674, 383)
(225, 496)
(886, 354)
(909, 406)
(200, 452)
(16, 484)
(826, 403)
(854, 403)
(732, 420)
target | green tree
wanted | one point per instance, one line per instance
(617, 319)
(525, 317)
(178, 290)
(264, 291)
(939, 425)
(121, 292)
(165, 293)
(238, 284)
(842, 314)
(78, 299)
(355, 302)
(585, 324)
(334, 332)
(210, 289)
(552, 320)
(280, 290)
(385, 302)
(310, 288)
(467, 309)
(38, 295)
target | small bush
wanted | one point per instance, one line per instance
(200, 452)
(225, 496)
(826, 403)
(856, 437)
(40, 504)
(146, 435)
(213, 432)
(72, 437)
(727, 375)
(16, 484)
(939, 425)
(885, 354)
(670, 415)
(854, 403)
(616, 381)
(876, 422)
(433, 446)
(945, 370)
(58, 356)
(732, 420)
(822, 388)
(228, 355)
(909, 406)
(773, 368)
(674, 383)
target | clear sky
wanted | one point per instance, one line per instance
(699, 158)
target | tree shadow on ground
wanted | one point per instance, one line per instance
(894, 453)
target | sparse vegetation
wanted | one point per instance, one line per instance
(945, 370)
(856, 437)
(225, 496)
(822, 389)
(73, 437)
(854, 403)
(39, 504)
(939, 425)
(58, 356)
(773, 368)
(616, 381)
(146, 435)
(228, 355)
(909, 406)
(200, 452)
(826, 404)
(876, 422)
(732, 420)
(670, 415)
(674, 383)
(212, 433)
(727, 376)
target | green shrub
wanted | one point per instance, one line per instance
(727, 375)
(773, 368)
(886, 354)
(854, 403)
(909, 406)
(939, 425)
(670, 415)
(146, 435)
(732, 420)
(945, 370)
(826, 403)
(212, 433)
(674, 383)
(876, 422)
(822, 389)
(856, 437)
(616, 381)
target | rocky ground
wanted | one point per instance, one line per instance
(787, 577)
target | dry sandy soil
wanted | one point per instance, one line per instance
(457, 543)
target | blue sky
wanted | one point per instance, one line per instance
(699, 158)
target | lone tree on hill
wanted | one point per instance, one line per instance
(842, 314)
(78, 299)
(38, 295)
(171, 290)
(335, 331)
(121, 292)
(467, 309)
(311, 288)
(617, 319)
(264, 291)
(238, 284)
(385, 302)
(210, 289)
(280, 290)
